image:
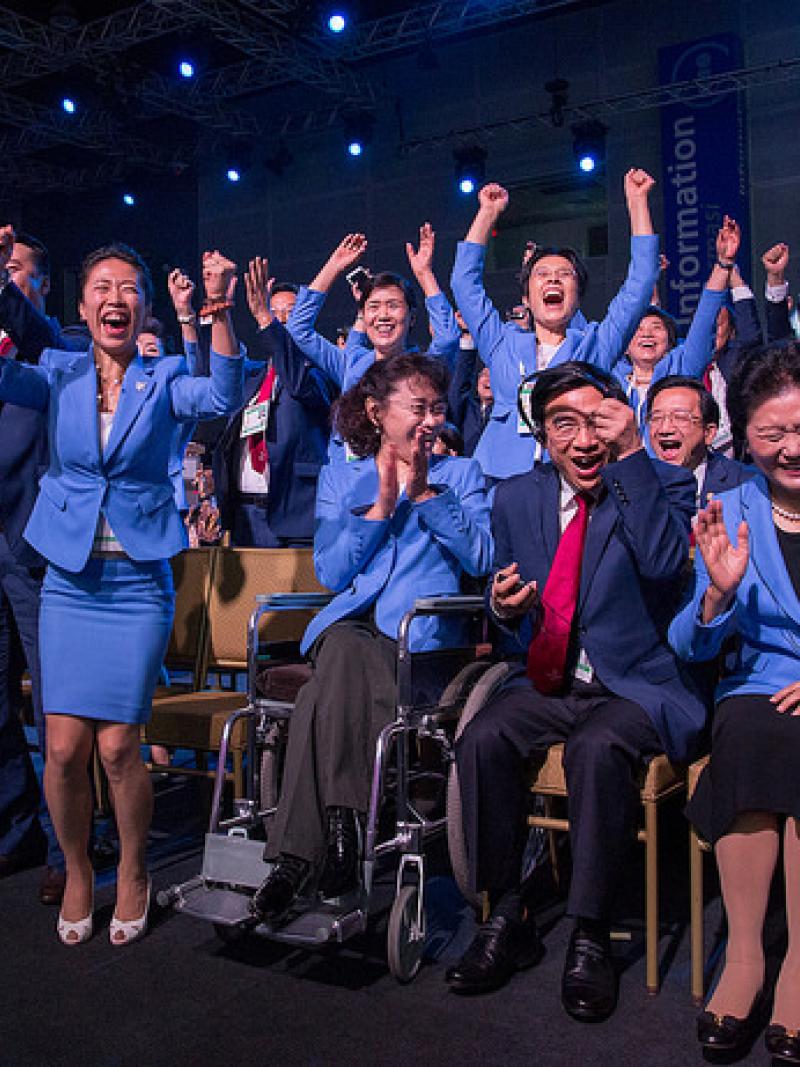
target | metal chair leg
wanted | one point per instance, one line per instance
(651, 896)
(696, 923)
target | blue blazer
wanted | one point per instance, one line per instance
(297, 437)
(510, 353)
(765, 612)
(420, 551)
(636, 547)
(723, 474)
(130, 480)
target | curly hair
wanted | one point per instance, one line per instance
(760, 374)
(350, 419)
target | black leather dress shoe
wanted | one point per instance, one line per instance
(729, 1034)
(340, 873)
(782, 1044)
(278, 891)
(500, 947)
(51, 887)
(589, 984)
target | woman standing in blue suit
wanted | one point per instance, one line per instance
(394, 525)
(747, 582)
(106, 522)
(553, 281)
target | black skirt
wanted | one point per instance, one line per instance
(754, 766)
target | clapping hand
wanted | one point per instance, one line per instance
(421, 261)
(388, 484)
(348, 252)
(258, 290)
(787, 699)
(615, 425)
(511, 597)
(726, 564)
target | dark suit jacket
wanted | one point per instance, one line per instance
(636, 547)
(748, 333)
(297, 437)
(721, 474)
(23, 432)
(462, 400)
(779, 328)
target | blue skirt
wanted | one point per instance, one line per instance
(103, 634)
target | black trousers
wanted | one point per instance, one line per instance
(606, 739)
(334, 726)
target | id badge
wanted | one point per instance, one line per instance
(584, 671)
(255, 419)
(524, 398)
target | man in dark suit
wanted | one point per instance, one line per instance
(25, 331)
(589, 549)
(267, 460)
(469, 398)
(683, 418)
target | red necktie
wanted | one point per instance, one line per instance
(707, 376)
(547, 653)
(7, 347)
(257, 442)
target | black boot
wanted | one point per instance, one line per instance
(278, 891)
(340, 874)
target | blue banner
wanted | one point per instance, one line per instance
(704, 168)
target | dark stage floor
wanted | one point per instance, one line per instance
(181, 996)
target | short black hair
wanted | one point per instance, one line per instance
(709, 408)
(761, 373)
(40, 253)
(153, 325)
(117, 250)
(284, 287)
(550, 383)
(451, 438)
(382, 280)
(565, 252)
(668, 320)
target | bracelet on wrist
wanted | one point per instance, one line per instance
(187, 320)
(214, 309)
(726, 265)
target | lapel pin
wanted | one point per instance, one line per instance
(140, 386)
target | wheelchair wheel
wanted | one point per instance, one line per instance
(230, 935)
(483, 689)
(458, 688)
(404, 946)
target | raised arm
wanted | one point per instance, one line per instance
(181, 290)
(481, 316)
(776, 260)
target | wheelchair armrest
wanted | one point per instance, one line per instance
(447, 605)
(293, 601)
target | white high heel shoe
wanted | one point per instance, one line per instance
(130, 929)
(76, 933)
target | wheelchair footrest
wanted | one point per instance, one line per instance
(319, 925)
(215, 904)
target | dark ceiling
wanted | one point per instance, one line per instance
(135, 114)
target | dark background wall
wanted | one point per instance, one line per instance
(297, 218)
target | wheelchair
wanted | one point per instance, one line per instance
(407, 809)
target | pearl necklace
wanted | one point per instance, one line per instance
(792, 516)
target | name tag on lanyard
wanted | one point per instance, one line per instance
(255, 419)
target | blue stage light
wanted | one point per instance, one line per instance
(589, 145)
(337, 22)
(467, 186)
(355, 148)
(470, 161)
(68, 105)
(129, 199)
(233, 174)
(587, 164)
(186, 69)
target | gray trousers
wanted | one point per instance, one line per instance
(334, 726)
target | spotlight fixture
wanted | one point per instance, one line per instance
(233, 174)
(69, 105)
(358, 127)
(470, 163)
(558, 89)
(337, 22)
(186, 68)
(589, 145)
(128, 199)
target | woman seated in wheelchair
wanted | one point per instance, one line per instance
(393, 524)
(747, 582)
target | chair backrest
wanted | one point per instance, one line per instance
(240, 574)
(191, 572)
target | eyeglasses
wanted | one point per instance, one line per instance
(419, 411)
(679, 417)
(774, 435)
(560, 273)
(564, 427)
